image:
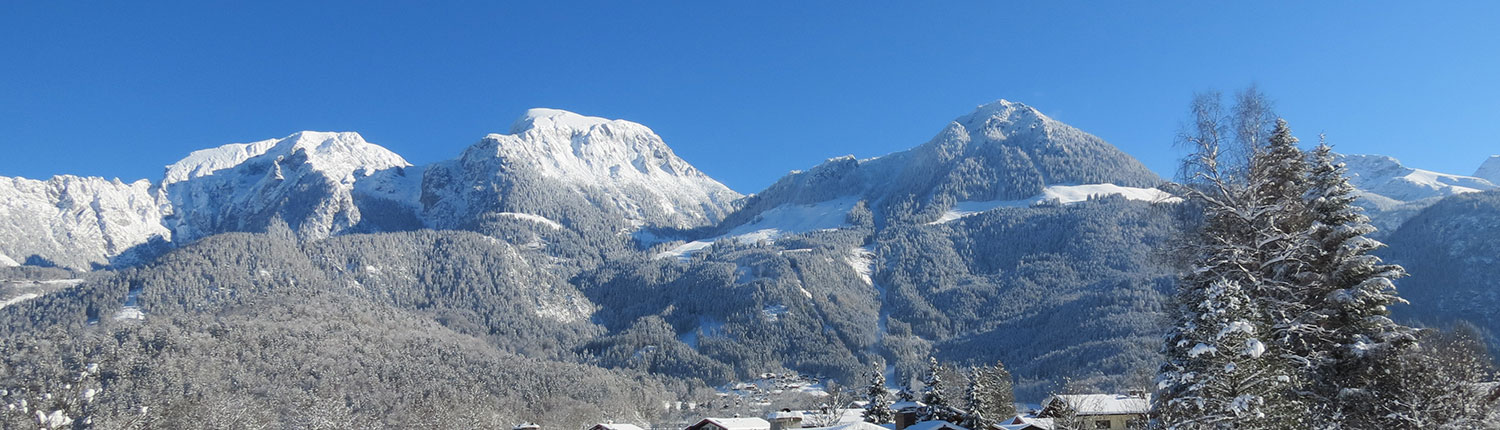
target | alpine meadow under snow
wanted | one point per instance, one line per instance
(574, 270)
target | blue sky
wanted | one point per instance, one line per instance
(746, 91)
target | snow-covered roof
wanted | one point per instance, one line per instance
(784, 414)
(1103, 404)
(1025, 421)
(736, 423)
(617, 426)
(935, 425)
(857, 425)
(906, 405)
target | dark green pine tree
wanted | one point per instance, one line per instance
(878, 409)
(1348, 303)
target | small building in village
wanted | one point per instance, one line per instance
(615, 426)
(731, 424)
(1023, 422)
(1099, 411)
(936, 425)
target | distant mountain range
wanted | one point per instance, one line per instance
(582, 241)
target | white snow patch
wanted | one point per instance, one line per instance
(130, 313)
(863, 263)
(533, 218)
(7, 262)
(774, 312)
(1201, 349)
(18, 299)
(1060, 194)
(776, 223)
(1254, 347)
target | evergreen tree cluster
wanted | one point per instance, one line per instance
(1282, 313)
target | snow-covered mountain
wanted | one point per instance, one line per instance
(1489, 170)
(312, 180)
(1391, 192)
(76, 222)
(1001, 152)
(553, 168)
(574, 169)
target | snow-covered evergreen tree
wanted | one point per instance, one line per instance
(1227, 366)
(938, 406)
(997, 398)
(975, 399)
(1350, 335)
(1219, 373)
(878, 398)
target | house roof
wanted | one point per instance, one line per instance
(1103, 404)
(906, 405)
(736, 423)
(936, 425)
(1024, 422)
(860, 425)
(617, 426)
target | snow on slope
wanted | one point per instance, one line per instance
(309, 179)
(1387, 177)
(7, 262)
(554, 161)
(776, 223)
(1489, 170)
(533, 218)
(1060, 194)
(76, 222)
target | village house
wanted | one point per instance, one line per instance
(1099, 411)
(615, 426)
(731, 424)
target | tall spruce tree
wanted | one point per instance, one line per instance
(974, 398)
(997, 397)
(1354, 339)
(938, 407)
(1227, 366)
(878, 398)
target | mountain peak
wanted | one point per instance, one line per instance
(546, 118)
(1489, 170)
(338, 153)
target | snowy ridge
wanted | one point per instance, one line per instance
(618, 167)
(307, 178)
(1387, 177)
(1060, 194)
(1489, 170)
(74, 221)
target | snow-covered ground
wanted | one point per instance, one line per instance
(776, 223)
(13, 292)
(533, 218)
(1060, 194)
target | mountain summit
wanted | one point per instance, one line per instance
(571, 168)
(1001, 151)
(307, 179)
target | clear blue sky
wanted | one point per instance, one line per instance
(744, 90)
